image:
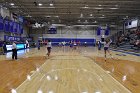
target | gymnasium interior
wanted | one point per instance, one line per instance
(77, 61)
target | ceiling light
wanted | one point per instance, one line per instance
(91, 14)
(51, 4)
(86, 22)
(81, 15)
(12, 4)
(99, 5)
(124, 18)
(28, 16)
(98, 8)
(113, 8)
(56, 16)
(103, 15)
(48, 16)
(116, 5)
(40, 4)
(6, 8)
(86, 7)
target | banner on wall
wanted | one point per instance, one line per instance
(99, 31)
(12, 38)
(52, 30)
(107, 31)
(11, 23)
(20, 19)
(6, 25)
(15, 27)
(1, 23)
(21, 29)
(18, 29)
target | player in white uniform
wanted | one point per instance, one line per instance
(75, 45)
(49, 47)
(106, 47)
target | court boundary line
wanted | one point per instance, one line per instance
(31, 75)
(130, 53)
(91, 61)
(112, 77)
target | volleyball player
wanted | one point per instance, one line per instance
(74, 44)
(78, 44)
(106, 47)
(70, 44)
(27, 44)
(63, 45)
(99, 45)
(49, 47)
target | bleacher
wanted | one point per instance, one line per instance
(128, 47)
(129, 41)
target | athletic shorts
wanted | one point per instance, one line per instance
(71, 45)
(105, 48)
(49, 49)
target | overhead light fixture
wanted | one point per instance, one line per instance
(124, 18)
(28, 16)
(99, 5)
(48, 16)
(113, 8)
(91, 14)
(86, 6)
(86, 21)
(98, 8)
(40, 4)
(81, 15)
(12, 4)
(56, 16)
(103, 15)
(116, 5)
(6, 8)
(51, 4)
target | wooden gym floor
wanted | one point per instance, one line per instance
(79, 71)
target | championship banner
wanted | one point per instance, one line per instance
(107, 31)
(1, 23)
(99, 31)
